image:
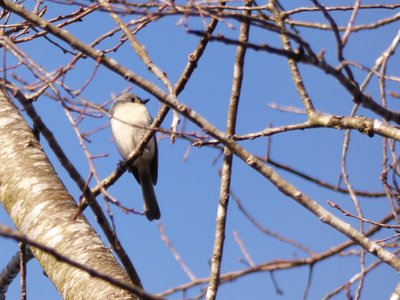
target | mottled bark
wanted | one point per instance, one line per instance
(42, 209)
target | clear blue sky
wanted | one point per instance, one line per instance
(188, 190)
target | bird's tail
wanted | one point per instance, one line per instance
(150, 204)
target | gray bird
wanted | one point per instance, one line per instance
(129, 122)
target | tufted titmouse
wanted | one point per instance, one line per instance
(129, 122)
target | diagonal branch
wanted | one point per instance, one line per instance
(297, 78)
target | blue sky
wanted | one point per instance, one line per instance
(188, 190)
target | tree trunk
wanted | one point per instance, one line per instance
(42, 209)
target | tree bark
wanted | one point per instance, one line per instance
(42, 209)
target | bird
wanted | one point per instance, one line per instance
(130, 121)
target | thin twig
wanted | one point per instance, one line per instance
(176, 255)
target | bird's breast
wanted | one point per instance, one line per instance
(129, 125)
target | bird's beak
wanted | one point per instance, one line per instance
(144, 101)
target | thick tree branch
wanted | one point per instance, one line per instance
(42, 209)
